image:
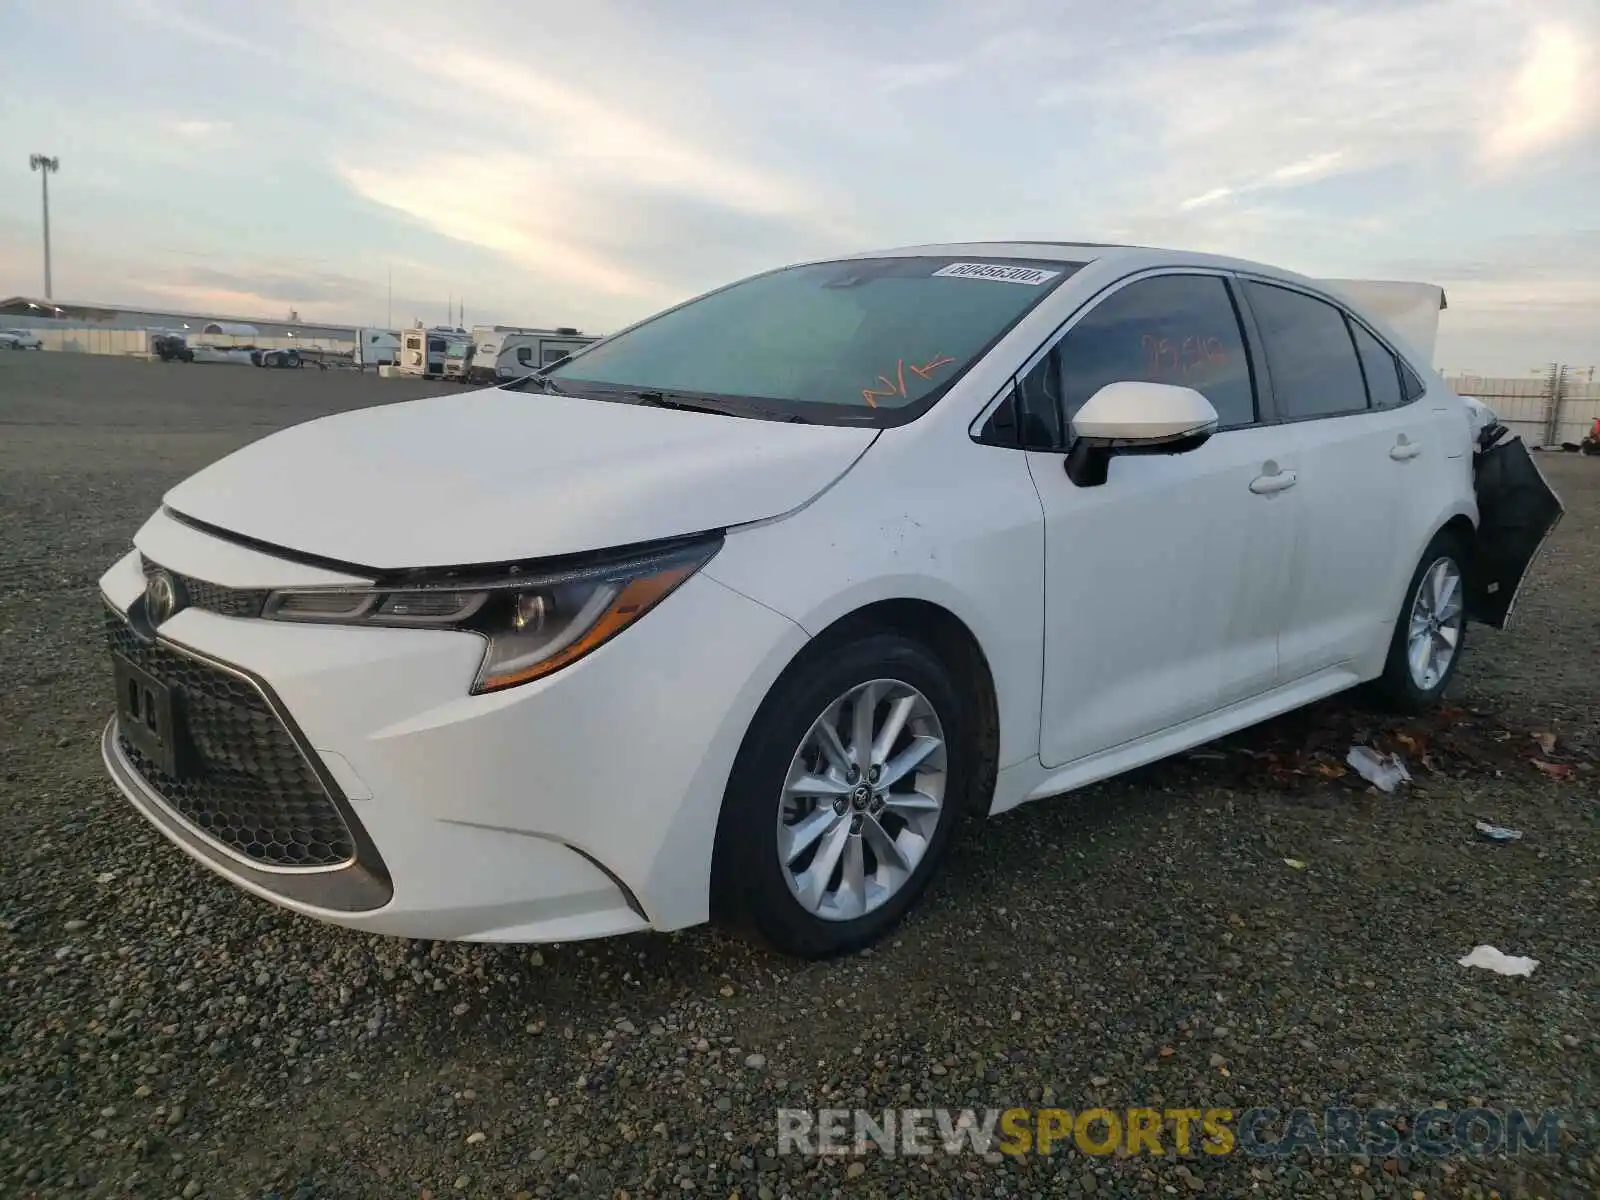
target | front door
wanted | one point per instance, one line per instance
(1164, 586)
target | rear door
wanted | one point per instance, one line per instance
(1372, 475)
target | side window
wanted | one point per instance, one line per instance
(1381, 368)
(1038, 405)
(1410, 385)
(525, 355)
(1179, 329)
(552, 354)
(1315, 372)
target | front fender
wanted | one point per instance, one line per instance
(966, 534)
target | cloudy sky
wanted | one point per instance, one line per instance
(587, 163)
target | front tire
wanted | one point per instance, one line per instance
(844, 795)
(1430, 632)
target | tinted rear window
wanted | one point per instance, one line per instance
(1310, 354)
(1382, 371)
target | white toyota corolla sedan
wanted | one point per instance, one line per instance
(738, 612)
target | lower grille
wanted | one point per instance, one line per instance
(244, 783)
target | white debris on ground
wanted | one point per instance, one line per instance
(1490, 959)
(1383, 771)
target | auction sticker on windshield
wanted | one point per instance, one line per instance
(1032, 276)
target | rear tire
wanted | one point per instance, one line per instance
(1430, 630)
(817, 854)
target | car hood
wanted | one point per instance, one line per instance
(492, 476)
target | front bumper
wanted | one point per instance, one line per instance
(581, 805)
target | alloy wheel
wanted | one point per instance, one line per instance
(863, 799)
(1437, 615)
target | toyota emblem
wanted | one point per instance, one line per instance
(162, 597)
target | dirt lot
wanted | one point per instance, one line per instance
(1143, 943)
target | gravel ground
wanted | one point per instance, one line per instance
(1144, 943)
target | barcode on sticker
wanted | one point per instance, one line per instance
(1032, 276)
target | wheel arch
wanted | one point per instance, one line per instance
(1459, 519)
(1461, 526)
(955, 644)
(941, 633)
(946, 635)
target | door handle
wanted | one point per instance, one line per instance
(1278, 481)
(1401, 451)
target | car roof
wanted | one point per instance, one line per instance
(1083, 253)
(1078, 252)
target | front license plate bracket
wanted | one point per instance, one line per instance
(147, 715)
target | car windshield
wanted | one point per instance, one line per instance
(857, 337)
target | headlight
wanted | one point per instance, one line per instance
(535, 622)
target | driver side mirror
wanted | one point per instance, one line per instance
(1136, 418)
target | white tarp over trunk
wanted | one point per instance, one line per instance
(1410, 309)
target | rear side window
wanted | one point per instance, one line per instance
(1381, 368)
(1315, 372)
(1411, 386)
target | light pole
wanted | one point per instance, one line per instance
(44, 165)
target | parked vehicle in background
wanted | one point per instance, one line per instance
(507, 356)
(376, 348)
(457, 357)
(424, 351)
(171, 347)
(233, 329)
(742, 610)
(20, 339)
(242, 356)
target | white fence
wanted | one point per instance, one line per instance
(90, 340)
(1550, 410)
(98, 339)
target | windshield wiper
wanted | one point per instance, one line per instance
(656, 398)
(543, 382)
(660, 399)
